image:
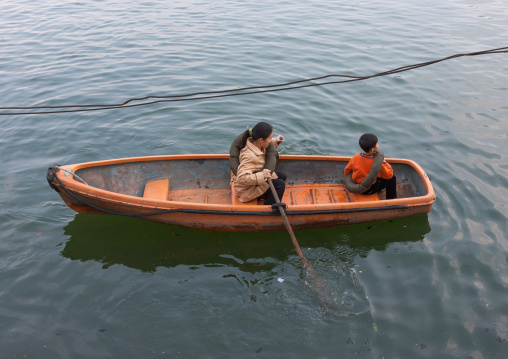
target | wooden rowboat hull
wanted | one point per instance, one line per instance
(195, 191)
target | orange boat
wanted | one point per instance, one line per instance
(196, 191)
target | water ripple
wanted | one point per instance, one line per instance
(85, 285)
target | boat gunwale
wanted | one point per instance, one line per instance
(100, 194)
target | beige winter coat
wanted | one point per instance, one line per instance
(249, 181)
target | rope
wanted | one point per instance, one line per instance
(71, 173)
(234, 92)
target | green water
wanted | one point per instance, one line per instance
(91, 286)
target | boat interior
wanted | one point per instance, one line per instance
(209, 181)
(294, 194)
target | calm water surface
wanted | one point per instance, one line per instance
(90, 286)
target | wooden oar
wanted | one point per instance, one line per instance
(288, 226)
(306, 264)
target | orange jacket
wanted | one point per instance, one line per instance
(361, 164)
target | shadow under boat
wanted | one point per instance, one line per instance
(143, 245)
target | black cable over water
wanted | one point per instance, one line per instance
(233, 92)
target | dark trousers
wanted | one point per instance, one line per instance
(280, 186)
(381, 183)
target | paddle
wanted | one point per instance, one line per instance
(288, 226)
(320, 285)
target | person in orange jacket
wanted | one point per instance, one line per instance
(361, 163)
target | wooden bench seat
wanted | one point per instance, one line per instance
(158, 189)
(358, 197)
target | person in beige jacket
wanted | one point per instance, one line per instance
(251, 178)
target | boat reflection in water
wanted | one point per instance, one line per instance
(147, 245)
